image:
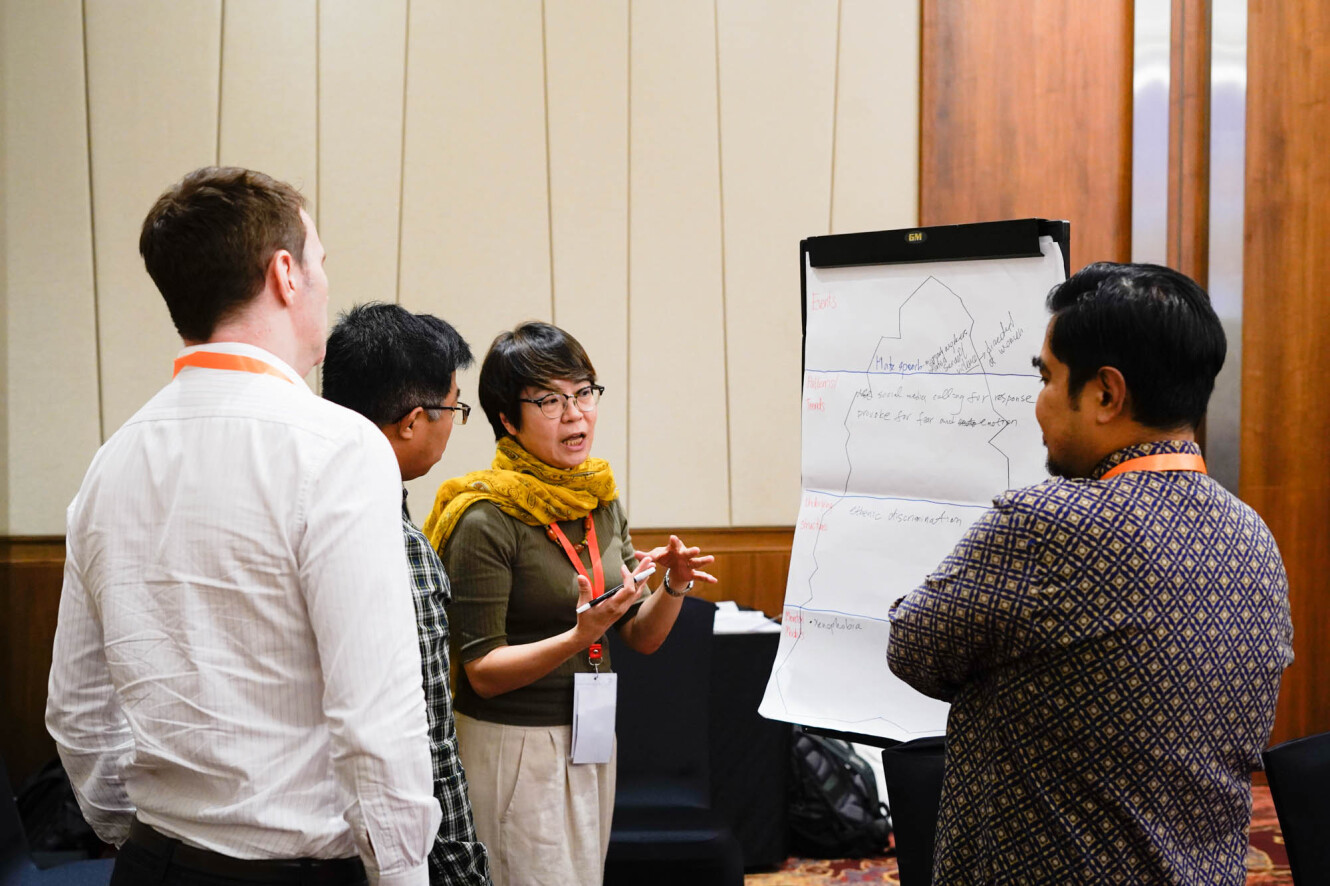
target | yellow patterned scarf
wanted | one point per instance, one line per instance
(523, 487)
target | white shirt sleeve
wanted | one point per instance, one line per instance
(353, 573)
(83, 714)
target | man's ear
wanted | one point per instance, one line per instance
(507, 425)
(405, 427)
(282, 272)
(1112, 394)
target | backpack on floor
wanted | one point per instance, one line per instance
(834, 807)
(52, 819)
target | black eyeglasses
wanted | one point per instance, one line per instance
(554, 404)
(461, 412)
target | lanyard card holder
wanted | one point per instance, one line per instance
(594, 698)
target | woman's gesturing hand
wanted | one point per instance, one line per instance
(593, 623)
(679, 561)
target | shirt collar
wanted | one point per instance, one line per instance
(1138, 450)
(406, 513)
(248, 350)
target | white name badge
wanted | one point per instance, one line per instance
(594, 697)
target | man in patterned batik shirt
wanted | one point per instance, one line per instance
(1111, 641)
(399, 370)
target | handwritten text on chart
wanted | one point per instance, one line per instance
(923, 418)
(796, 623)
(822, 302)
(959, 353)
(896, 515)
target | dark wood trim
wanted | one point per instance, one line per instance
(752, 563)
(31, 573)
(1189, 141)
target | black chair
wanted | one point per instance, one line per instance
(16, 867)
(664, 830)
(913, 773)
(1299, 776)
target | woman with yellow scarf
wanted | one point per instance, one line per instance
(527, 544)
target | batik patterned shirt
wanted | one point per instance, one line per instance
(1112, 650)
(457, 856)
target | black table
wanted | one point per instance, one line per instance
(749, 754)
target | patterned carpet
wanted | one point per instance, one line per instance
(1267, 863)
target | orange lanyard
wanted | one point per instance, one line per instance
(1170, 461)
(234, 362)
(598, 570)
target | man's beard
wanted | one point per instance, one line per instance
(1057, 470)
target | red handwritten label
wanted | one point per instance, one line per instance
(792, 623)
(822, 302)
(815, 405)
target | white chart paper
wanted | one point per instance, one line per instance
(918, 408)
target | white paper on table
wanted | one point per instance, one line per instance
(594, 699)
(730, 619)
(918, 408)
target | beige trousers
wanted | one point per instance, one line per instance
(545, 821)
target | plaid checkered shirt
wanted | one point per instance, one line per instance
(1112, 651)
(457, 857)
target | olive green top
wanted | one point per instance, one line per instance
(512, 585)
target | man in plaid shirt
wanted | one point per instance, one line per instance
(399, 370)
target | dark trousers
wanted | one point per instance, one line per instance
(149, 857)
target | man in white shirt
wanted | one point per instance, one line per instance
(235, 689)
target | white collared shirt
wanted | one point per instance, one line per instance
(236, 655)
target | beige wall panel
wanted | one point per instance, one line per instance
(876, 180)
(270, 81)
(152, 101)
(5, 53)
(362, 61)
(777, 97)
(586, 43)
(50, 330)
(475, 219)
(677, 428)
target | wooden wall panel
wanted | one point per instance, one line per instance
(586, 70)
(1189, 141)
(31, 572)
(153, 76)
(270, 102)
(875, 184)
(1026, 111)
(752, 563)
(1286, 366)
(52, 410)
(678, 434)
(777, 115)
(476, 139)
(362, 64)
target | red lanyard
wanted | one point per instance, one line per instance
(597, 569)
(1171, 461)
(234, 362)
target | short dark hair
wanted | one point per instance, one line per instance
(533, 355)
(383, 361)
(208, 239)
(1154, 325)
